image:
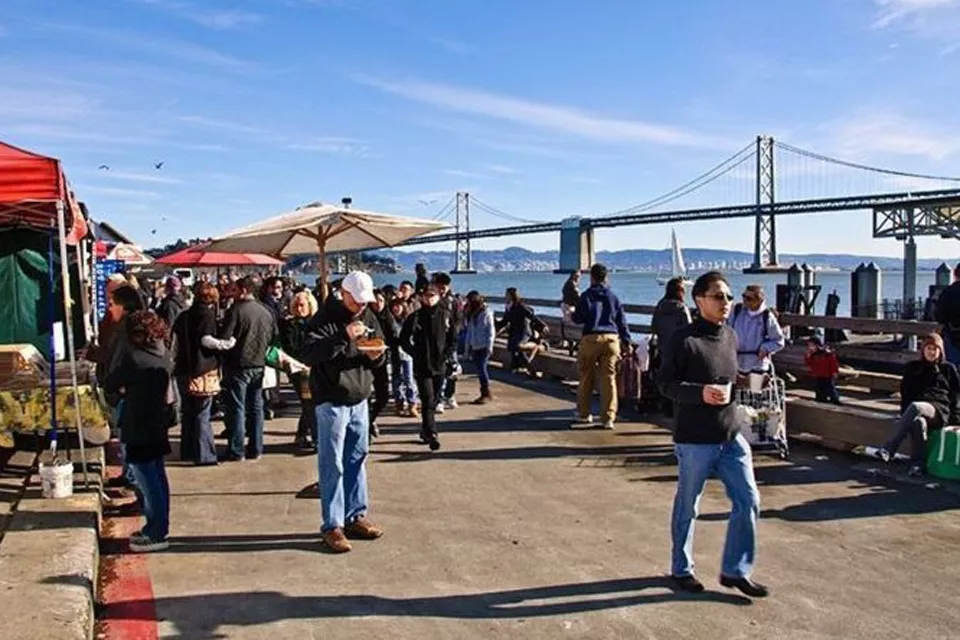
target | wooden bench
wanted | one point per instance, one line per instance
(791, 360)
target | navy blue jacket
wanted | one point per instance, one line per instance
(600, 311)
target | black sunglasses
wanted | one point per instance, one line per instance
(720, 297)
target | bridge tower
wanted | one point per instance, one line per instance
(765, 258)
(464, 255)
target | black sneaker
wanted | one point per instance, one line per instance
(915, 471)
(229, 457)
(434, 444)
(374, 430)
(745, 586)
(690, 584)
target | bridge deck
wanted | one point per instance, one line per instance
(522, 528)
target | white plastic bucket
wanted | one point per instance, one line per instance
(56, 480)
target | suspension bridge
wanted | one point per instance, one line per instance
(750, 183)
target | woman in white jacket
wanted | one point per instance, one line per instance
(479, 344)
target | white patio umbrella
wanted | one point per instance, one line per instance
(323, 228)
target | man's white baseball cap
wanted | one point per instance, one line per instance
(360, 286)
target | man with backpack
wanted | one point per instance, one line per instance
(759, 335)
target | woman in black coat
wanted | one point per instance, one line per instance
(197, 349)
(293, 334)
(929, 392)
(143, 378)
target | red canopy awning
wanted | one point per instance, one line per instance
(31, 185)
(198, 257)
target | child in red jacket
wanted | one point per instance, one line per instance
(824, 367)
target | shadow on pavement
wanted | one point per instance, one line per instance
(190, 615)
(630, 455)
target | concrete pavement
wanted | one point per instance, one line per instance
(520, 527)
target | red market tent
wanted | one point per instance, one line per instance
(34, 194)
(198, 257)
(32, 187)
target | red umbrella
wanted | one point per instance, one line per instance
(198, 256)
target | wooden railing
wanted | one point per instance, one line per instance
(865, 325)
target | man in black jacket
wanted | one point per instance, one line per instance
(447, 398)
(429, 336)
(253, 328)
(948, 315)
(698, 371)
(341, 376)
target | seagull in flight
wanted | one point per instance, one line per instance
(158, 165)
(427, 203)
(103, 167)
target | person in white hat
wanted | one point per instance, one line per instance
(344, 343)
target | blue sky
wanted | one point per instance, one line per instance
(540, 108)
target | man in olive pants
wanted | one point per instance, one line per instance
(604, 328)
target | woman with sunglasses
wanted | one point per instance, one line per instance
(697, 371)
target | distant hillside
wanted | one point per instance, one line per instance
(520, 259)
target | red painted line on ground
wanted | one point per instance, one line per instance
(129, 609)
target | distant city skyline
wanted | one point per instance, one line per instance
(184, 118)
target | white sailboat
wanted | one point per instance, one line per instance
(678, 269)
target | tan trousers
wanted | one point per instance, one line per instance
(598, 358)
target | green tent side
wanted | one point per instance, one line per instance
(25, 288)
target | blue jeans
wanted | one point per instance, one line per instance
(154, 493)
(404, 385)
(342, 446)
(733, 465)
(196, 433)
(482, 358)
(951, 352)
(243, 413)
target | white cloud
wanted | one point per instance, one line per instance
(558, 118)
(44, 104)
(116, 191)
(222, 124)
(499, 168)
(465, 174)
(138, 177)
(453, 45)
(892, 11)
(331, 144)
(182, 50)
(869, 135)
(937, 20)
(221, 19)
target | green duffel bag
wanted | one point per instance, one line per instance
(943, 455)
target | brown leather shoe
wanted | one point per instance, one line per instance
(363, 529)
(336, 541)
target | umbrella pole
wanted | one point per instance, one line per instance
(322, 252)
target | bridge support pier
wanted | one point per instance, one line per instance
(910, 310)
(577, 251)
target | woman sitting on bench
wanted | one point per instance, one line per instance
(928, 400)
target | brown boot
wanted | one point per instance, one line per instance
(362, 529)
(485, 398)
(336, 541)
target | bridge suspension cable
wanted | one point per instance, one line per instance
(486, 208)
(446, 210)
(716, 172)
(855, 165)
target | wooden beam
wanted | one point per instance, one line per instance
(866, 325)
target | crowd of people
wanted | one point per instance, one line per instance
(188, 355)
(166, 359)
